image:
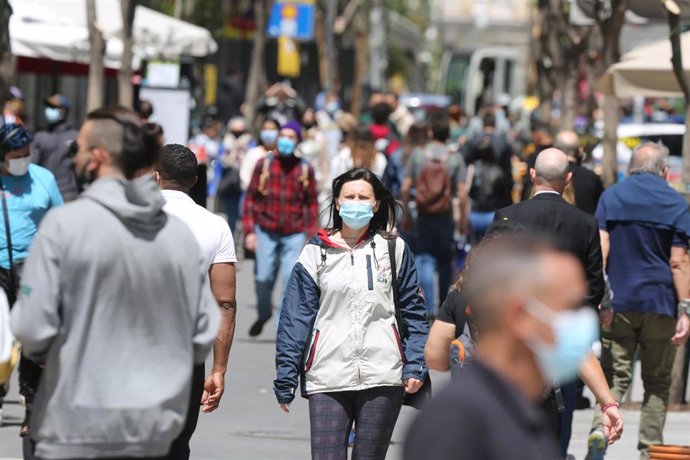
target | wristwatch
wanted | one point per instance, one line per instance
(684, 307)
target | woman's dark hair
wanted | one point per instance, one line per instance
(484, 150)
(362, 147)
(384, 220)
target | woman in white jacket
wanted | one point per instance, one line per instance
(338, 331)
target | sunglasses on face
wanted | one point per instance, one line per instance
(73, 149)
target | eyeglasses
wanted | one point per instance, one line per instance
(73, 149)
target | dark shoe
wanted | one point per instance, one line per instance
(24, 430)
(257, 327)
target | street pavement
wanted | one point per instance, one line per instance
(249, 426)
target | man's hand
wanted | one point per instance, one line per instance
(285, 408)
(250, 242)
(606, 317)
(682, 330)
(412, 385)
(613, 424)
(214, 387)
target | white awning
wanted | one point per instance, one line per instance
(646, 71)
(57, 30)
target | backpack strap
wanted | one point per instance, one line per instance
(402, 327)
(265, 172)
(304, 177)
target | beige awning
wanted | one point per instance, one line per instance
(646, 71)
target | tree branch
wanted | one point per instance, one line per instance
(677, 55)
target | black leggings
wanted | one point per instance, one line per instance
(374, 412)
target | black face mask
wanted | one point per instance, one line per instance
(238, 134)
(84, 178)
(308, 125)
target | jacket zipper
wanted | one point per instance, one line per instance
(370, 276)
(397, 340)
(312, 351)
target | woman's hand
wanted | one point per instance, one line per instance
(285, 408)
(412, 385)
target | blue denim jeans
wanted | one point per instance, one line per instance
(231, 207)
(427, 265)
(433, 253)
(274, 253)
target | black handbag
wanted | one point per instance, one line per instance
(417, 399)
(230, 181)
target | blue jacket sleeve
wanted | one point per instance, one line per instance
(300, 306)
(414, 314)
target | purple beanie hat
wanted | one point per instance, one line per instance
(295, 126)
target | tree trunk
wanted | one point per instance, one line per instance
(568, 97)
(96, 87)
(6, 58)
(321, 46)
(610, 27)
(256, 80)
(124, 76)
(610, 158)
(361, 59)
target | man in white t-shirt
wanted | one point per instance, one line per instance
(176, 173)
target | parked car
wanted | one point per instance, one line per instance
(633, 134)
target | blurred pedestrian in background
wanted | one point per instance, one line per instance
(266, 143)
(359, 151)
(587, 186)
(13, 110)
(29, 191)
(280, 209)
(51, 147)
(435, 176)
(338, 327)
(236, 144)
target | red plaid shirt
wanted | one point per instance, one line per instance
(285, 206)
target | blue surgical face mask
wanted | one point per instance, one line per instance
(52, 114)
(332, 107)
(268, 136)
(574, 332)
(286, 146)
(356, 214)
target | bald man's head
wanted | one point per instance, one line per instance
(551, 170)
(569, 143)
(650, 157)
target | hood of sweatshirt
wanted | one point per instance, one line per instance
(137, 202)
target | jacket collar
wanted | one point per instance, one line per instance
(548, 196)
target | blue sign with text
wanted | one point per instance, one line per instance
(292, 20)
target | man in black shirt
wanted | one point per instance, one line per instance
(521, 292)
(587, 185)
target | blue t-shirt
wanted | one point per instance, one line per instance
(29, 197)
(638, 265)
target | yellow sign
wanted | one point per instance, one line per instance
(210, 83)
(288, 57)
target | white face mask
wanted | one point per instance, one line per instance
(19, 166)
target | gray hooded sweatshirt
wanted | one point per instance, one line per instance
(115, 302)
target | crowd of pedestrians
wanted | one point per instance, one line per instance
(367, 224)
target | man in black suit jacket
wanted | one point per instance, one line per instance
(574, 231)
(587, 185)
(571, 229)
